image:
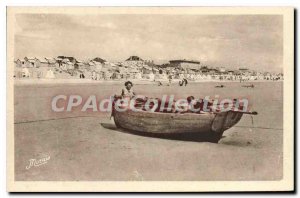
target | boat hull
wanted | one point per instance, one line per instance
(211, 124)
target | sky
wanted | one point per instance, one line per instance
(230, 41)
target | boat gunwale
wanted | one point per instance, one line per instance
(171, 114)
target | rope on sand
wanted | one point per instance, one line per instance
(258, 127)
(30, 121)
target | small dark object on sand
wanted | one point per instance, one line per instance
(248, 86)
(219, 86)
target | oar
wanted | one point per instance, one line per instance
(238, 111)
(249, 112)
(245, 112)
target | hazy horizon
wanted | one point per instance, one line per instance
(252, 41)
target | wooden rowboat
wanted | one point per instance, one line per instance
(210, 125)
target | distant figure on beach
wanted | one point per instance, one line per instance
(170, 79)
(128, 91)
(248, 86)
(159, 83)
(220, 86)
(81, 75)
(183, 82)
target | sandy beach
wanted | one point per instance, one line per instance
(87, 146)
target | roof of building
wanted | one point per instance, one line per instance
(65, 60)
(40, 58)
(43, 60)
(29, 58)
(100, 60)
(134, 58)
(147, 67)
(50, 60)
(184, 61)
(70, 58)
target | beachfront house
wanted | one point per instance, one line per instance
(51, 62)
(185, 64)
(146, 69)
(66, 62)
(204, 69)
(147, 72)
(18, 63)
(133, 73)
(244, 71)
(80, 65)
(101, 69)
(18, 68)
(31, 62)
(230, 72)
(105, 73)
(95, 65)
(69, 65)
(188, 66)
(222, 70)
(150, 63)
(135, 66)
(43, 62)
(134, 61)
(91, 64)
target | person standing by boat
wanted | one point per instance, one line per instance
(128, 92)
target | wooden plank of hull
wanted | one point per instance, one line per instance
(155, 122)
(225, 120)
(159, 123)
(231, 119)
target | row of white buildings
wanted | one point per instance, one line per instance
(132, 68)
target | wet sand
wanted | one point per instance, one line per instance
(87, 146)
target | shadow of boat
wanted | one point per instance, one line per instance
(193, 137)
